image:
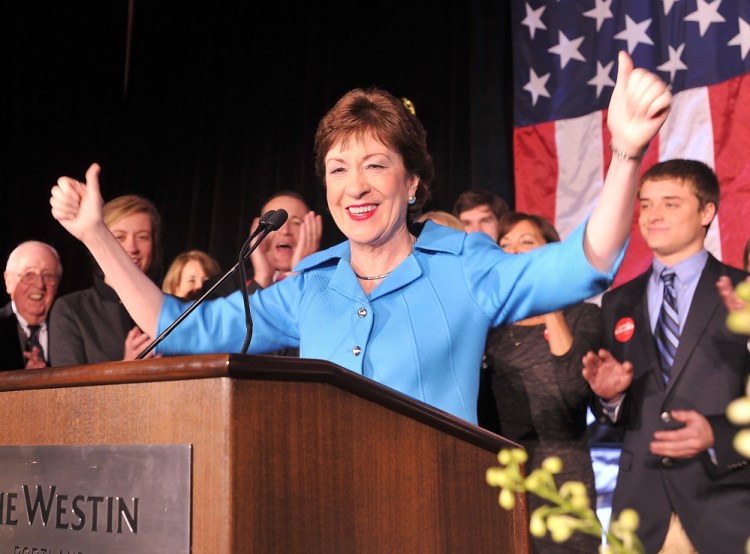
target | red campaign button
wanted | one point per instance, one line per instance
(624, 329)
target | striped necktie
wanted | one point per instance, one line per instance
(667, 332)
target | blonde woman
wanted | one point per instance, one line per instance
(188, 272)
(92, 325)
(443, 218)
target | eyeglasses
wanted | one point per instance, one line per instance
(30, 277)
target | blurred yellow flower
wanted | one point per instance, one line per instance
(738, 411)
(568, 511)
(741, 442)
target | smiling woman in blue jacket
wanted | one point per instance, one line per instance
(406, 305)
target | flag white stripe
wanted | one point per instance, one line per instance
(688, 133)
(579, 152)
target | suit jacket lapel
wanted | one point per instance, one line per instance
(702, 308)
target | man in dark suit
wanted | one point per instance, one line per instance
(274, 260)
(297, 238)
(669, 371)
(32, 276)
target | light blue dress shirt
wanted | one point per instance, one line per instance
(687, 274)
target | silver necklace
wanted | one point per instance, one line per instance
(384, 275)
(375, 278)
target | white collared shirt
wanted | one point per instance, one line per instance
(43, 333)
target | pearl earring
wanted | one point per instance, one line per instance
(412, 200)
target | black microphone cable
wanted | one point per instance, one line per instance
(274, 223)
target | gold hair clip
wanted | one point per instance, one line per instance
(409, 105)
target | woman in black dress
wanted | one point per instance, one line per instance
(534, 370)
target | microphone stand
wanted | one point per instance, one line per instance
(264, 228)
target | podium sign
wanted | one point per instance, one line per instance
(85, 499)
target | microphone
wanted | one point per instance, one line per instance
(276, 219)
(265, 217)
(273, 223)
(270, 221)
(262, 224)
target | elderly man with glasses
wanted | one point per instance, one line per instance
(32, 276)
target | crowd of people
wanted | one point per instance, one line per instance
(467, 311)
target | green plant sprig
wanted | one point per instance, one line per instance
(569, 509)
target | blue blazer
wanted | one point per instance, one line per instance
(710, 370)
(421, 331)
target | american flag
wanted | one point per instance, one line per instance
(565, 58)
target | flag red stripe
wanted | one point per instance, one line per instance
(730, 111)
(536, 169)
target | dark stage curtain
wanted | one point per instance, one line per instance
(213, 105)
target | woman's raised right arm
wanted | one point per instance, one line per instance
(78, 208)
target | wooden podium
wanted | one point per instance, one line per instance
(288, 455)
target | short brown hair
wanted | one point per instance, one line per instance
(511, 219)
(376, 111)
(289, 193)
(698, 175)
(473, 198)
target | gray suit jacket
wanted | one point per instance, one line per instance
(710, 370)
